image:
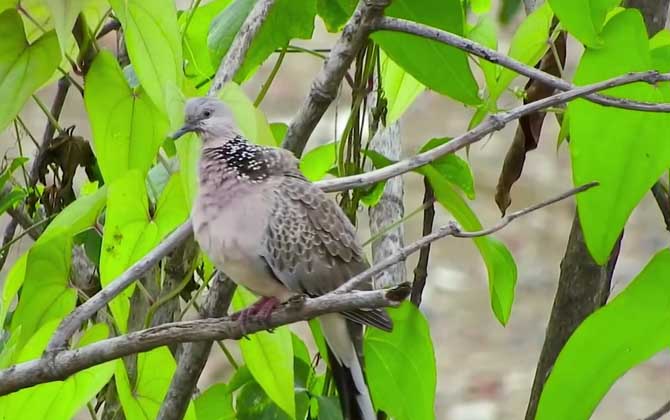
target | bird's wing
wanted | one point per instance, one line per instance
(311, 246)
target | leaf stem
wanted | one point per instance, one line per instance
(271, 77)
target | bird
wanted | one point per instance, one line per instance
(271, 230)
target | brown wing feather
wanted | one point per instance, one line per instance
(311, 246)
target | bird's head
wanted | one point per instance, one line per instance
(210, 118)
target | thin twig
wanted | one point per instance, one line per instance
(491, 124)
(271, 77)
(401, 25)
(451, 229)
(663, 410)
(663, 201)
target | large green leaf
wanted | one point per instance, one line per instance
(627, 331)
(196, 53)
(251, 120)
(64, 13)
(529, 44)
(127, 128)
(46, 292)
(269, 357)
(316, 163)
(24, 67)
(452, 167)
(584, 19)
(440, 67)
(154, 46)
(499, 261)
(400, 88)
(58, 399)
(216, 403)
(288, 19)
(335, 13)
(625, 151)
(401, 367)
(142, 400)
(76, 217)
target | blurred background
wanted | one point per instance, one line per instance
(485, 370)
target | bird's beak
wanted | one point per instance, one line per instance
(186, 128)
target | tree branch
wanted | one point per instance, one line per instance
(60, 365)
(234, 58)
(327, 82)
(663, 410)
(421, 270)
(491, 124)
(69, 362)
(401, 25)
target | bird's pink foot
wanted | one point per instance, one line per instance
(260, 310)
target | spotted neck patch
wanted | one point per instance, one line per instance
(245, 159)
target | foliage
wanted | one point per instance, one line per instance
(146, 184)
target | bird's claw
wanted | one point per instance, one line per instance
(259, 311)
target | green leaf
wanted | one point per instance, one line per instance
(195, 49)
(46, 292)
(216, 403)
(374, 194)
(400, 89)
(8, 200)
(630, 329)
(58, 399)
(529, 44)
(480, 6)
(64, 14)
(24, 67)
(269, 357)
(254, 404)
(11, 286)
(188, 152)
(78, 215)
(452, 167)
(485, 33)
(401, 367)
(329, 408)
(439, 67)
(335, 13)
(316, 163)
(251, 120)
(154, 47)
(635, 152)
(127, 128)
(584, 19)
(279, 131)
(288, 19)
(16, 164)
(499, 262)
(142, 400)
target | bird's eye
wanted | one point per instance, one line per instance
(207, 113)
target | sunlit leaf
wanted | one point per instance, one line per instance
(127, 128)
(143, 399)
(24, 67)
(269, 357)
(636, 151)
(438, 66)
(64, 14)
(584, 19)
(288, 19)
(452, 167)
(251, 120)
(316, 163)
(151, 36)
(630, 329)
(401, 367)
(529, 43)
(400, 88)
(216, 403)
(46, 294)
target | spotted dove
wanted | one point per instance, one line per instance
(272, 231)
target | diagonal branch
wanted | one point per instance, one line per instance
(406, 26)
(234, 58)
(327, 82)
(60, 365)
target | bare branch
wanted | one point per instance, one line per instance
(451, 229)
(492, 123)
(327, 82)
(663, 410)
(86, 310)
(234, 58)
(68, 362)
(663, 201)
(400, 25)
(421, 270)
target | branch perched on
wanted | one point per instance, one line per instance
(60, 365)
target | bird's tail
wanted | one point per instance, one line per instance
(345, 339)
